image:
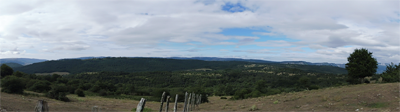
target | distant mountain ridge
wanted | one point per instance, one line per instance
(22, 61)
(27, 61)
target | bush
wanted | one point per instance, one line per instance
(255, 93)
(273, 91)
(241, 94)
(79, 92)
(313, 87)
(223, 98)
(12, 84)
(103, 92)
(40, 86)
(58, 92)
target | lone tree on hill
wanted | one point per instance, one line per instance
(361, 64)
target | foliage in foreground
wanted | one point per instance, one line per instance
(5, 70)
(12, 84)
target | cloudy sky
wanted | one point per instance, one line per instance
(276, 30)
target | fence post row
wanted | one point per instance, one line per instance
(140, 106)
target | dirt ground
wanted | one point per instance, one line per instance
(364, 97)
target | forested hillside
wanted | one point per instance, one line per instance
(251, 80)
(151, 64)
(124, 77)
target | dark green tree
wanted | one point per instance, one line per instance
(304, 82)
(361, 64)
(12, 84)
(5, 70)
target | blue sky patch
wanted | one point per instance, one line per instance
(230, 7)
(254, 32)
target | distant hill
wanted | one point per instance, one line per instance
(26, 61)
(151, 64)
(13, 65)
(22, 61)
(123, 64)
(381, 66)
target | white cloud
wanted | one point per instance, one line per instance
(137, 28)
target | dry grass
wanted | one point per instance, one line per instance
(364, 97)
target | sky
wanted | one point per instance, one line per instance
(275, 30)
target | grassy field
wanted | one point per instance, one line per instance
(364, 97)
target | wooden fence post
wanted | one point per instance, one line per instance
(189, 101)
(186, 100)
(200, 99)
(95, 109)
(162, 101)
(140, 106)
(176, 103)
(41, 106)
(167, 106)
(192, 103)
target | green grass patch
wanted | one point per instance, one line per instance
(378, 105)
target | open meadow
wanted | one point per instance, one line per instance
(363, 97)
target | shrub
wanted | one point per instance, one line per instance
(253, 108)
(79, 92)
(103, 92)
(313, 87)
(241, 94)
(12, 84)
(223, 98)
(58, 92)
(255, 93)
(40, 86)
